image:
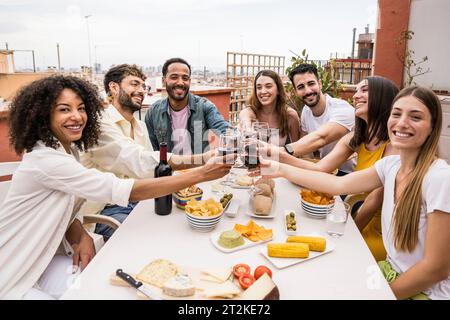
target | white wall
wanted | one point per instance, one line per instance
(430, 22)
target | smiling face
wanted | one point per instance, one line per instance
(130, 93)
(177, 81)
(308, 88)
(409, 123)
(266, 91)
(361, 100)
(68, 118)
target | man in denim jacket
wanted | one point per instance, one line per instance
(182, 119)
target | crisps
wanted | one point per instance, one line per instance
(254, 232)
(203, 208)
(316, 197)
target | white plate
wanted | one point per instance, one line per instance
(281, 263)
(290, 232)
(247, 243)
(232, 208)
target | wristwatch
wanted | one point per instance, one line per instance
(289, 149)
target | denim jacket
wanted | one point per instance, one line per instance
(203, 116)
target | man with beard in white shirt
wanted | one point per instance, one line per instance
(324, 119)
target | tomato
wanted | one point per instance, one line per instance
(259, 271)
(241, 269)
(246, 280)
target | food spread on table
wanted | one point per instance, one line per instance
(226, 199)
(189, 191)
(296, 247)
(316, 197)
(243, 180)
(254, 232)
(168, 281)
(263, 197)
(204, 208)
(291, 222)
(230, 239)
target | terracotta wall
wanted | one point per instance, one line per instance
(393, 19)
(10, 83)
(220, 98)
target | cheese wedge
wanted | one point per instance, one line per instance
(218, 274)
(224, 290)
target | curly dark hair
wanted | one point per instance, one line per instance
(31, 108)
(302, 69)
(118, 73)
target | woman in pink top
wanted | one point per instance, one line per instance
(268, 104)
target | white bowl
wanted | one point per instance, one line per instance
(203, 223)
(316, 209)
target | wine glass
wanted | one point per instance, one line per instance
(228, 144)
(250, 151)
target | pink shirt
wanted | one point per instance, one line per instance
(180, 135)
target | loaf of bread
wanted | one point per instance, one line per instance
(157, 272)
(262, 205)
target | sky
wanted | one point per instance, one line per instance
(201, 31)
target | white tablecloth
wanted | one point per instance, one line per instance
(348, 272)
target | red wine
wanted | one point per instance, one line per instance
(226, 151)
(163, 205)
(251, 159)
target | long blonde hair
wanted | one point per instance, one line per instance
(407, 213)
(281, 107)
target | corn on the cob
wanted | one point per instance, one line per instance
(288, 250)
(314, 243)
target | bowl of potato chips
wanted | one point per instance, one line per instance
(182, 197)
(316, 204)
(203, 215)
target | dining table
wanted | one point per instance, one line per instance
(348, 271)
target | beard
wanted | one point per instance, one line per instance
(127, 102)
(178, 97)
(314, 102)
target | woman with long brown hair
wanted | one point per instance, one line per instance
(416, 206)
(370, 141)
(268, 104)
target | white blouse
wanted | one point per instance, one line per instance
(39, 208)
(435, 196)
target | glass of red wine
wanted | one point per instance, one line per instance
(250, 155)
(228, 144)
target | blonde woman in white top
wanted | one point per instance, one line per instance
(416, 207)
(41, 237)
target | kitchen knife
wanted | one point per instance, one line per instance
(137, 284)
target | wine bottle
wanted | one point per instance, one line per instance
(163, 205)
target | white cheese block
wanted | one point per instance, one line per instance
(224, 290)
(208, 278)
(179, 286)
(220, 274)
(262, 289)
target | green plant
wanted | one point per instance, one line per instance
(412, 67)
(329, 84)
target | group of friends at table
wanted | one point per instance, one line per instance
(84, 156)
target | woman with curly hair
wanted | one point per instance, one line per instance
(268, 104)
(52, 119)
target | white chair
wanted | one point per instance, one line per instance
(8, 168)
